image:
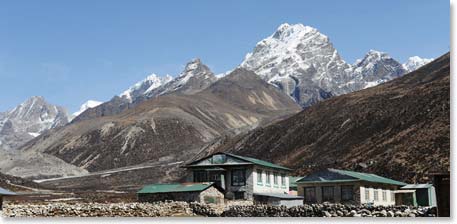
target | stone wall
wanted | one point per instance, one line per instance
(62, 209)
(173, 209)
(328, 210)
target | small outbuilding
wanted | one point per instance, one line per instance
(278, 199)
(348, 187)
(3, 193)
(424, 193)
(207, 193)
(405, 197)
(293, 190)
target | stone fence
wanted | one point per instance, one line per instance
(328, 210)
(170, 208)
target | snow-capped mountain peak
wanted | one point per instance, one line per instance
(145, 86)
(295, 56)
(374, 68)
(29, 119)
(195, 67)
(195, 76)
(289, 48)
(287, 32)
(372, 56)
(416, 62)
(303, 63)
(88, 104)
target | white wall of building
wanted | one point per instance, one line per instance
(263, 187)
(390, 197)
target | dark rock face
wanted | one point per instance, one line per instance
(400, 129)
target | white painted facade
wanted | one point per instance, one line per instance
(384, 196)
(265, 186)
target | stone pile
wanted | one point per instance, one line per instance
(61, 209)
(328, 210)
(173, 208)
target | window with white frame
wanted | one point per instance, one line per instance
(375, 195)
(283, 180)
(259, 176)
(275, 178)
(367, 194)
(268, 180)
(384, 195)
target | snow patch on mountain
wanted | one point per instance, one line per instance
(145, 86)
(195, 77)
(415, 62)
(28, 120)
(303, 63)
(88, 104)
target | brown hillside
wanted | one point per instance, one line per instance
(400, 129)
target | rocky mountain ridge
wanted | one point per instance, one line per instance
(304, 64)
(399, 129)
(170, 128)
(28, 120)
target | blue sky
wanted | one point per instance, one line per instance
(73, 51)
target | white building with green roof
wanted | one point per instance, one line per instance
(244, 177)
(342, 186)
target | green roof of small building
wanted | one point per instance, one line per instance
(293, 181)
(369, 177)
(259, 162)
(175, 187)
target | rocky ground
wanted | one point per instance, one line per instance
(177, 209)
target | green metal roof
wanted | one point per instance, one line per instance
(293, 181)
(175, 187)
(259, 162)
(369, 177)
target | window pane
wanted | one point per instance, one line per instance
(259, 176)
(200, 176)
(283, 179)
(310, 194)
(268, 177)
(375, 196)
(367, 194)
(327, 194)
(347, 193)
(384, 195)
(275, 178)
(238, 177)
